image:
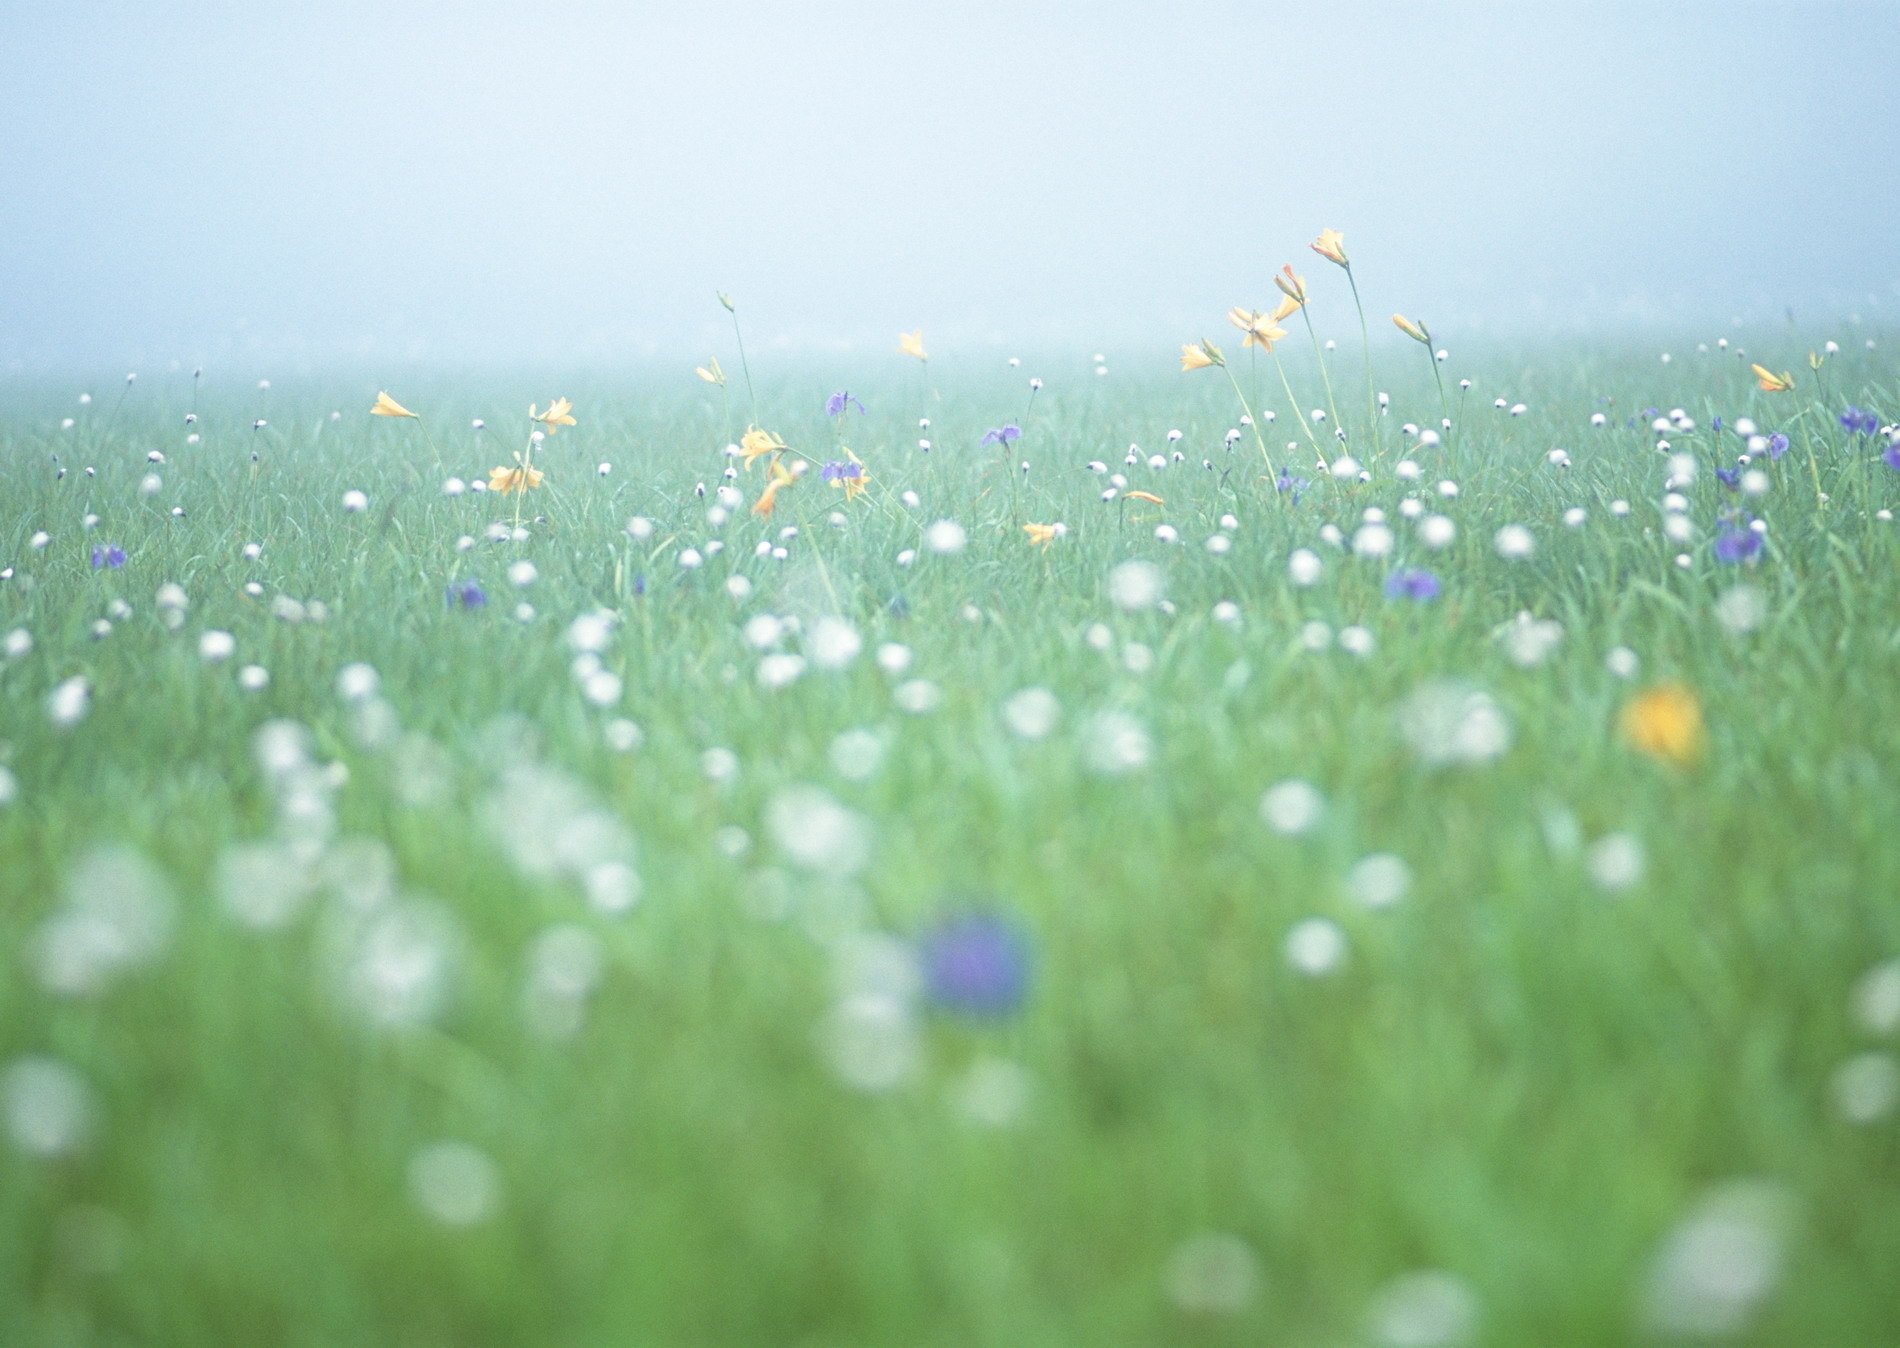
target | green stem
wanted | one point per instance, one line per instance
(1324, 378)
(1252, 420)
(1365, 344)
(1294, 403)
(745, 368)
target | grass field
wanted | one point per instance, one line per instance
(917, 934)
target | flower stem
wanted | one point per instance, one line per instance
(1252, 420)
(1365, 343)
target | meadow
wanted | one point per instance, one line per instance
(1447, 895)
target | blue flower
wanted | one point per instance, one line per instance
(1892, 457)
(1777, 446)
(975, 963)
(839, 471)
(1735, 542)
(1729, 477)
(1419, 585)
(1286, 482)
(110, 555)
(465, 594)
(838, 402)
(1860, 422)
(1003, 434)
(1715, 423)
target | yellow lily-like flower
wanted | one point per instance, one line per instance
(1291, 284)
(1259, 328)
(1200, 355)
(1331, 245)
(1041, 535)
(387, 406)
(516, 479)
(1416, 331)
(711, 372)
(1666, 723)
(1770, 381)
(1285, 309)
(912, 344)
(756, 442)
(779, 478)
(559, 413)
(1142, 496)
(1816, 361)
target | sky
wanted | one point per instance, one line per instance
(439, 182)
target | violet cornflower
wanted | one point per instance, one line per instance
(1003, 434)
(1415, 584)
(1892, 457)
(839, 471)
(839, 402)
(465, 594)
(1295, 486)
(1735, 542)
(111, 555)
(1777, 446)
(1729, 477)
(975, 963)
(1859, 421)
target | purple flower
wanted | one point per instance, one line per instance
(1892, 457)
(1777, 446)
(465, 594)
(1715, 423)
(110, 555)
(1729, 477)
(1417, 584)
(1003, 434)
(1735, 542)
(975, 963)
(837, 403)
(1860, 422)
(838, 471)
(1296, 486)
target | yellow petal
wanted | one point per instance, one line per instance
(912, 344)
(387, 406)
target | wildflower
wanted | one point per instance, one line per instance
(912, 344)
(849, 475)
(111, 555)
(1771, 382)
(517, 479)
(1200, 355)
(756, 442)
(1295, 486)
(1777, 446)
(1736, 541)
(711, 373)
(1041, 535)
(1416, 331)
(1419, 585)
(387, 406)
(1285, 309)
(1143, 496)
(559, 413)
(1259, 328)
(838, 403)
(1729, 477)
(1860, 422)
(1291, 285)
(1003, 434)
(1665, 722)
(1892, 457)
(975, 963)
(465, 594)
(1331, 245)
(778, 478)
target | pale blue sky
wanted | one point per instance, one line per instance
(448, 181)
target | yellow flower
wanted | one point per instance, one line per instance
(559, 413)
(853, 485)
(1416, 331)
(778, 478)
(387, 406)
(912, 344)
(1331, 245)
(1816, 361)
(1142, 496)
(1200, 355)
(1285, 309)
(516, 479)
(1665, 722)
(711, 372)
(1041, 535)
(756, 442)
(1292, 285)
(1770, 381)
(1259, 328)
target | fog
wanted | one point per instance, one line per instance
(490, 181)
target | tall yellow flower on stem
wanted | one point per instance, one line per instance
(387, 406)
(521, 477)
(912, 344)
(1665, 722)
(1201, 355)
(778, 478)
(1258, 329)
(1416, 331)
(756, 442)
(1331, 245)
(560, 413)
(1771, 382)
(711, 373)
(1292, 285)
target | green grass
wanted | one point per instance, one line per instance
(1515, 1076)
